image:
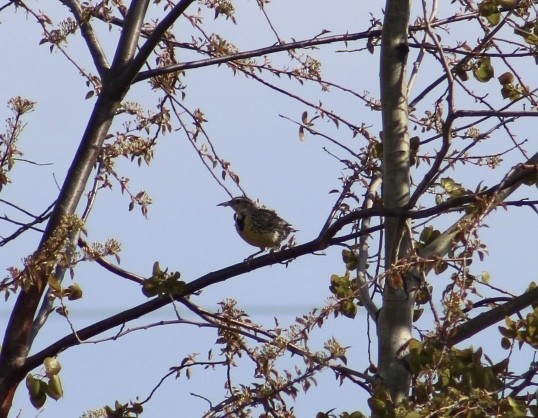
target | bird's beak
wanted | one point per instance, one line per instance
(225, 203)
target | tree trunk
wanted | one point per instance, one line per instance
(17, 343)
(395, 318)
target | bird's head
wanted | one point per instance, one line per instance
(240, 204)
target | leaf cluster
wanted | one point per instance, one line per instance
(523, 330)
(48, 386)
(161, 283)
(451, 382)
(9, 150)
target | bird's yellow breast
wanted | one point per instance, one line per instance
(252, 234)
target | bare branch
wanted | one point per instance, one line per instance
(308, 43)
(156, 37)
(97, 53)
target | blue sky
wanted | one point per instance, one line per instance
(186, 231)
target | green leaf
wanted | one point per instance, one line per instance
(350, 259)
(52, 366)
(439, 267)
(452, 188)
(517, 408)
(74, 292)
(483, 70)
(54, 388)
(494, 19)
(528, 33)
(349, 309)
(490, 11)
(510, 92)
(507, 4)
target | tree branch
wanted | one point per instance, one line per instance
(440, 246)
(144, 75)
(485, 320)
(97, 53)
(307, 43)
(129, 37)
(155, 37)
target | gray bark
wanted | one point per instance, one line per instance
(395, 318)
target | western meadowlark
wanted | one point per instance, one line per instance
(259, 227)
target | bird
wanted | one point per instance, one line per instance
(259, 227)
